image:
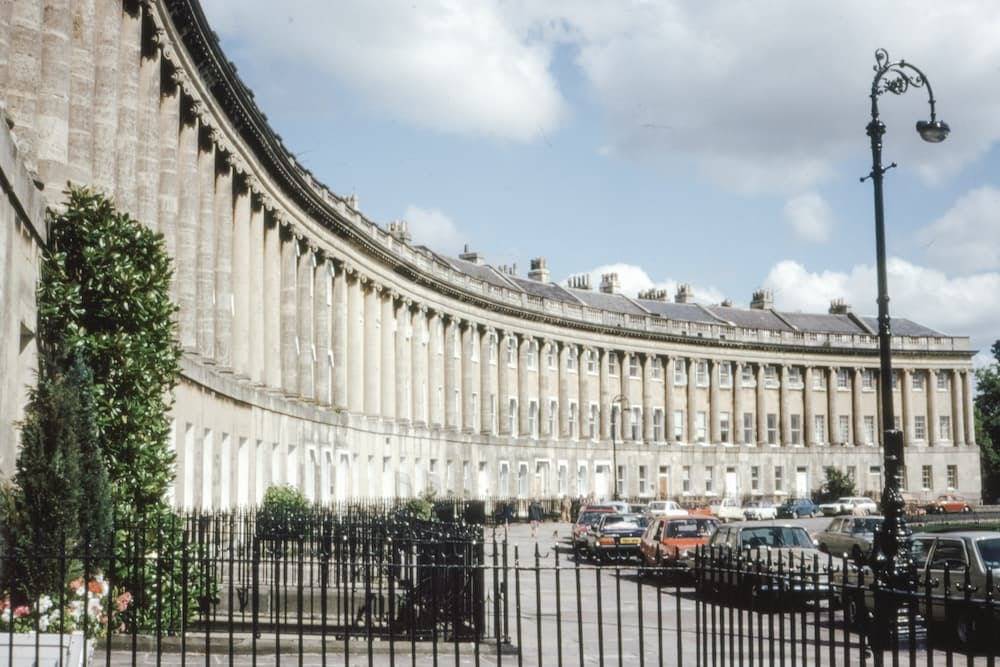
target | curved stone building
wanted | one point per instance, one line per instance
(326, 351)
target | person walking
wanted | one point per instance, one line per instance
(535, 515)
(565, 506)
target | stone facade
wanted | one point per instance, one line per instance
(324, 351)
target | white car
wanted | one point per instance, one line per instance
(849, 505)
(760, 511)
(665, 508)
(728, 509)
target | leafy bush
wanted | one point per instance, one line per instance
(836, 485)
(284, 513)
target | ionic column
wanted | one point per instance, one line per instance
(168, 135)
(583, 395)
(404, 364)
(341, 336)
(503, 386)
(435, 383)
(223, 220)
(186, 259)
(147, 157)
(860, 437)
(373, 350)
(668, 399)
(390, 329)
(105, 82)
(128, 96)
(736, 423)
(206, 247)
(970, 409)
(272, 301)
(487, 379)
(647, 397)
(24, 72)
(258, 319)
(933, 433)
(761, 407)
(242, 275)
(452, 412)
(355, 341)
(304, 321)
(544, 389)
(523, 385)
(604, 393)
(692, 400)
(562, 361)
(625, 409)
(715, 426)
(906, 381)
(53, 92)
(289, 313)
(419, 350)
(469, 383)
(957, 411)
(784, 409)
(80, 152)
(322, 316)
(808, 425)
(831, 406)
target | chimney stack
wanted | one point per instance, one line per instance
(539, 271)
(610, 283)
(353, 202)
(653, 294)
(470, 256)
(762, 300)
(581, 281)
(839, 307)
(400, 231)
(684, 294)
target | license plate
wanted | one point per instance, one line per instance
(630, 540)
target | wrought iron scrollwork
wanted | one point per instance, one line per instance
(897, 77)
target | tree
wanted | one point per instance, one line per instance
(988, 424)
(836, 485)
(104, 296)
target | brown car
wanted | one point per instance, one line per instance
(948, 503)
(669, 540)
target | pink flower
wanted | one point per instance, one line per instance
(76, 583)
(22, 611)
(95, 587)
(123, 601)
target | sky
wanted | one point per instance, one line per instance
(713, 143)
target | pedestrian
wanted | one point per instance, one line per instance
(565, 508)
(535, 515)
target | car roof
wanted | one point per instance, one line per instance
(960, 534)
(762, 524)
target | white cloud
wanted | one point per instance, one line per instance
(967, 237)
(634, 279)
(958, 305)
(810, 217)
(434, 229)
(446, 65)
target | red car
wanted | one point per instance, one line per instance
(948, 503)
(669, 541)
(588, 517)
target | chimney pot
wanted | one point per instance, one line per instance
(763, 299)
(684, 294)
(839, 307)
(610, 283)
(539, 271)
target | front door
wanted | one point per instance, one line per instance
(663, 483)
(602, 481)
(732, 483)
(802, 482)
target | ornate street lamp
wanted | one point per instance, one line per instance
(893, 568)
(623, 400)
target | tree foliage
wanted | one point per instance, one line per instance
(836, 485)
(104, 296)
(988, 424)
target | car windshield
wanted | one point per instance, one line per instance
(775, 536)
(590, 518)
(866, 526)
(623, 521)
(990, 552)
(845, 500)
(689, 528)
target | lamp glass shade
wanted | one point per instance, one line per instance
(933, 131)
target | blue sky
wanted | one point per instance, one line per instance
(718, 144)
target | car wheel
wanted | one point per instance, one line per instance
(856, 554)
(966, 509)
(968, 629)
(823, 549)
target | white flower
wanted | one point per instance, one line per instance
(5, 616)
(76, 609)
(80, 590)
(43, 623)
(44, 604)
(94, 607)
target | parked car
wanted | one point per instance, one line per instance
(727, 509)
(769, 562)
(851, 536)
(795, 508)
(665, 508)
(671, 541)
(619, 506)
(616, 537)
(849, 505)
(637, 508)
(760, 510)
(942, 560)
(588, 517)
(948, 503)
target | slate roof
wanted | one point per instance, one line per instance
(688, 312)
(749, 318)
(614, 302)
(904, 327)
(835, 324)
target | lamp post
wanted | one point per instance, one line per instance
(890, 559)
(623, 400)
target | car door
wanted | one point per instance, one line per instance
(949, 555)
(831, 537)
